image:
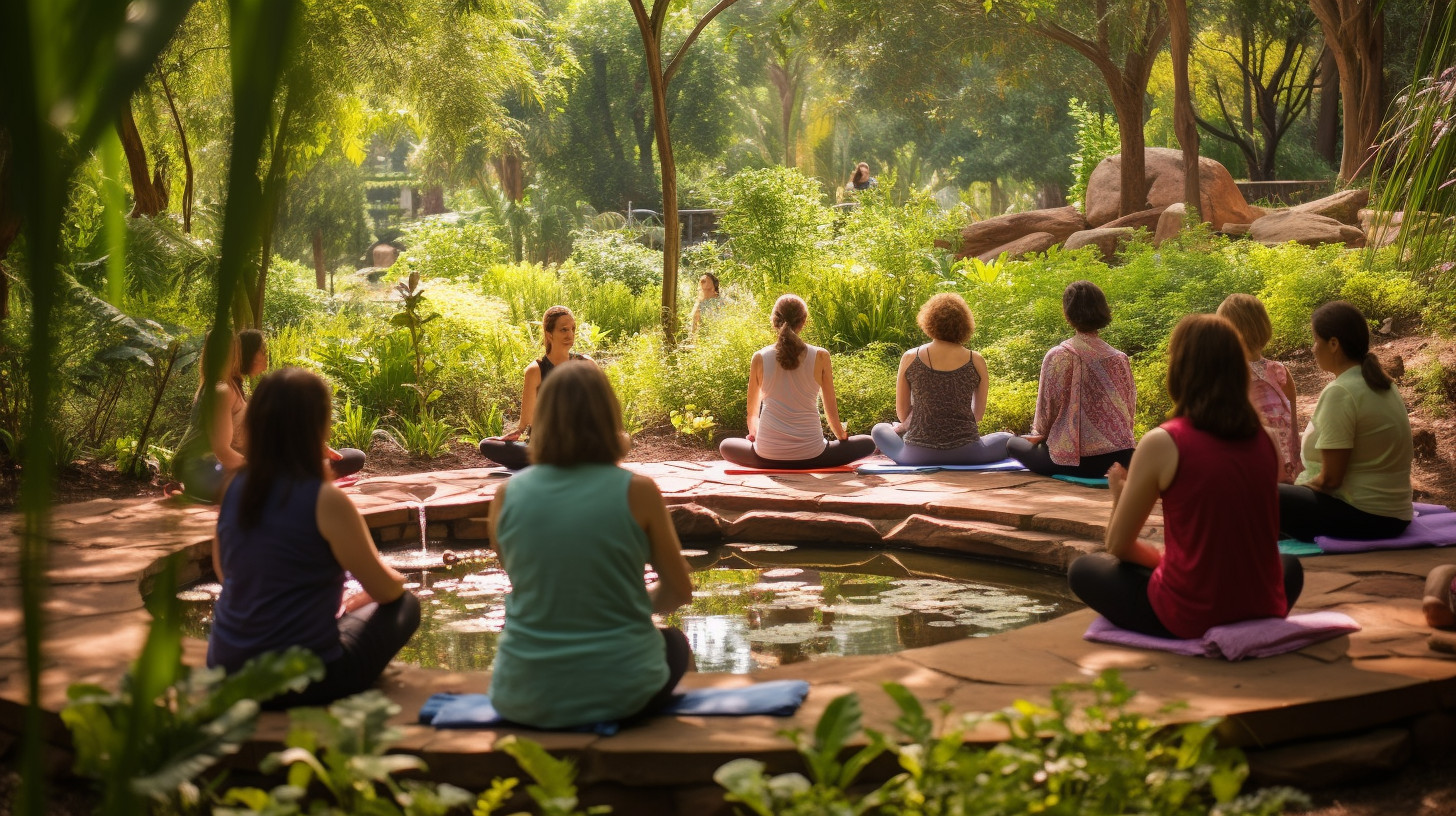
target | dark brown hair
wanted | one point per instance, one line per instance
(232, 375)
(861, 173)
(578, 418)
(548, 323)
(946, 317)
(789, 314)
(288, 425)
(1085, 306)
(1340, 321)
(1208, 377)
(714, 278)
(250, 342)
(1249, 316)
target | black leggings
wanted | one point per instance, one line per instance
(202, 478)
(1305, 513)
(510, 454)
(679, 653)
(740, 452)
(1037, 459)
(1118, 590)
(371, 636)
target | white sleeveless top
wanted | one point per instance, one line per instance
(788, 425)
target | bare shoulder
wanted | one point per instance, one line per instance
(642, 495)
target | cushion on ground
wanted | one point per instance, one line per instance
(1263, 637)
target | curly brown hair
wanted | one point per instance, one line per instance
(946, 317)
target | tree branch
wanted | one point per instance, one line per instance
(672, 64)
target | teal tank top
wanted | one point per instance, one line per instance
(579, 645)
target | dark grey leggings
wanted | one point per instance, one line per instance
(740, 452)
(1118, 590)
(1037, 459)
(202, 478)
(371, 636)
(510, 454)
(678, 655)
(1305, 513)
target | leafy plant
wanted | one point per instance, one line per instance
(429, 437)
(1097, 138)
(167, 723)
(492, 424)
(614, 256)
(355, 427)
(690, 423)
(1112, 762)
(412, 318)
(775, 220)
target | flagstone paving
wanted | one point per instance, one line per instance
(106, 553)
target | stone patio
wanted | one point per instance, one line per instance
(107, 551)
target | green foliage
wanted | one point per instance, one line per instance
(168, 723)
(1097, 138)
(1435, 386)
(372, 370)
(616, 256)
(493, 423)
(354, 427)
(555, 790)
(775, 221)
(854, 307)
(714, 373)
(452, 251)
(1010, 406)
(864, 383)
(291, 296)
(691, 424)
(1111, 761)
(412, 318)
(897, 240)
(428, 437)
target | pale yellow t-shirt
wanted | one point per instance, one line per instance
(1375, 427)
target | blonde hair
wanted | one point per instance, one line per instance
(578, 418)
(789, 315)
(1250, 318)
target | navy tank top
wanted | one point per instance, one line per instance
(546, 365)
(281, 584)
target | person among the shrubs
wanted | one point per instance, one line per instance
(286, 537)
(1271, 389)
(574, 532)
(1357, 449)
(1216, 471)
(785, 383)
(1085, 400)
(558, 335)
(213, 447)
(861, 179)
(940, 395)
(710, 300)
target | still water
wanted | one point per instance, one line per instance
(754, 605)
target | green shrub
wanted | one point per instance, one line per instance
(1381, 289)
(610, 305)
(1010, 406)
(1297, 280)
(291, 296)
(1435, 385)
(528, 290)
(864, 384)
(354, 427)
(1150, 375)
(853, 308)
(427, 438)
(897, 240)
(713, 374)
(1097, 138)
(775, 220)
(614, 256)
(441, 250)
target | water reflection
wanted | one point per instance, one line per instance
(754, 606)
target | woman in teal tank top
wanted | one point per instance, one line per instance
(574, 532)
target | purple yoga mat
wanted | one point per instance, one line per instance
(1262, 637)
(1433, 527)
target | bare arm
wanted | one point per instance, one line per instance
(1293, 397)
(341, 525)
(1334, 464)
(220, 434)
(755, 394)
(528, 401)
(492, 516)
(1134, 491)
(903, 405)
(979, 406)
(674, 587)
(824, 372)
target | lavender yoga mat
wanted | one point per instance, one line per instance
(1262, 637)
(1433, 526)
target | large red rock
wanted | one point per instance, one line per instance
(1381, 228)
(981, 237)
(1147, 219)
(1343, 206)
(1304, 228)
(1220, 199)
(1170, 223)
(1107, 240)
(1025, 245)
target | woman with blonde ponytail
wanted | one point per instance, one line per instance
(1357, 449)
(785, 383)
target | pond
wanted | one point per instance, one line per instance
(754, 605)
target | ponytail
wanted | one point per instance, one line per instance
(789, 314)
(1341, 321)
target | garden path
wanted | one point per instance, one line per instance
(106, 552)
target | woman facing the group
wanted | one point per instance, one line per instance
(558, 335)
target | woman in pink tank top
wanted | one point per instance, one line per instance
(1216, 472)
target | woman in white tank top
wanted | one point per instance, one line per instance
(785, 383)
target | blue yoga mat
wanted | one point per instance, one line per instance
(1085, 481)
(1293, 546)
(776, 698)
(990, 467)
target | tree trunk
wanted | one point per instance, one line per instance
(434, 200)
(998, 197)
(188, 174)
(787, 87)
(148, 200)
(671, 230)
(510, 174)
(1327, 120)
(1128, 105)
(1051, 195)
(1355, 34)
(320, 269)
(1184, 122)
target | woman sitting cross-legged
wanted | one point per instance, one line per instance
(558, 335)
(785, 382)
(940, 395)
(1085, 400)
(286, 536)
(1357, 449)
(1216, 471)
(574, 532)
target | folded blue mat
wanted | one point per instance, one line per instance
(776, 698)
(1293, 546)
(1085, 481)
(991, 467)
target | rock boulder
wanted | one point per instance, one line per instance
(1220, 199)
(1170, 223)
(983, 236)
(1344, 206)
(1304, 228)
(1147, 219)
(1106, 239)
(1381, 228)
(1025, 245)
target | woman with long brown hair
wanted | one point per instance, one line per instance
(785, 384)
(214, 447)
(558, 335)
(1216, 472)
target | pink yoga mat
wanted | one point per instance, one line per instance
(768, 472)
